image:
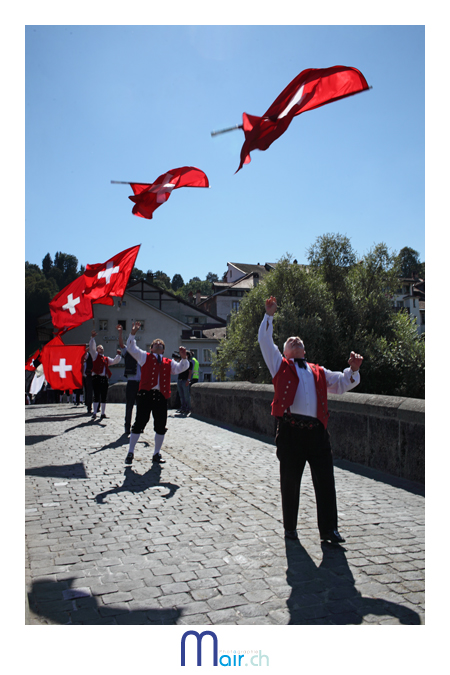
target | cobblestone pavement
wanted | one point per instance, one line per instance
(199, 540)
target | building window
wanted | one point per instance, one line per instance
(206, 377)
(123, 324)
(207, 358)
(400, 303)
(103, 324)
(235, 305)
(422, 314)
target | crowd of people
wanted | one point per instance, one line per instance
(299, 406)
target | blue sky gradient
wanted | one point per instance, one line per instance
(131, 102)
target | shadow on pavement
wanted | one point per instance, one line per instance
(32, 440)
(58, 471)
(327, 594)
(121, 441)
(59, 418)
(134, 482)
(58, 602)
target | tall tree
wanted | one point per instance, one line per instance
(409, 262)
(177, 282)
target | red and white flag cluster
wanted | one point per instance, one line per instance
(98, 285)
(311, 89)
(149, 196)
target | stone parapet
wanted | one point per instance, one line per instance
(383, 432)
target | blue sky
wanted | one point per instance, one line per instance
(131, 102)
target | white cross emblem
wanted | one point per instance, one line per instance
(294, 100)
(62, 368)
(162, 188)
(70, 305)
(110, 269)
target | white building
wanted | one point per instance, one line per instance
(411, 296)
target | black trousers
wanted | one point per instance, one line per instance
(87, 383)
(149, 402)
(100, 386)
(130, 393)
(295, 447)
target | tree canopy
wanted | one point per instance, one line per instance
(341, 303)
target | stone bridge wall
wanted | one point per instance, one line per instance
(383, 432)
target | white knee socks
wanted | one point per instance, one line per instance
(133, 440)
(159, 438)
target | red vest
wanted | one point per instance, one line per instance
(150, 371)
(285, 384)
(100, 363)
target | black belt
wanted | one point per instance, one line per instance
(300, 421)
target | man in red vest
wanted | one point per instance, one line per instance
(100, 374)
(154, 390)
(300, 406)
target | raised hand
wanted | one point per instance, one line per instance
(355, 361)
(271, 305)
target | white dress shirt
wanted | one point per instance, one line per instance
(94, 353)
(305, 401)
(140, 355)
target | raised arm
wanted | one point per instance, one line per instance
(269, 350)
(132, 347)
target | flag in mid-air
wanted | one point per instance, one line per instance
(107, 280)
(311, 89)
(63, 364)
(71, 307)
(149, 196)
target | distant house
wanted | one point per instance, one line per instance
(162, 315)
(227, 295)
(411, 297)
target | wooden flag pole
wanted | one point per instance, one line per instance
(224, 131)
(128, 182)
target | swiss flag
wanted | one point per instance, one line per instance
(71, 307)
(63, 364)
(29, 363)
(107, 280)
(311, 89)
(149, 196)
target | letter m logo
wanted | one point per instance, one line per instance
(199, 637)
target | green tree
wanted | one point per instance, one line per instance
(409, 262)
(211, 277)
(162, 280)
(335, 308)
(39, 291)
(177, 282)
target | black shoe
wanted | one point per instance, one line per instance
(93, 416)
(103, 417)
(158, 459)
(290, 534)
(129, 458)
(332, 536)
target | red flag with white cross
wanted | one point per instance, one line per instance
(107, 280)
(63, 364)
(149, 196)
(311, 89)
(71, 307)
